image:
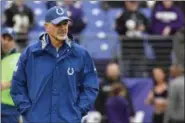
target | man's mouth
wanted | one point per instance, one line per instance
(62, 33)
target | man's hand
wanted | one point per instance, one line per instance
(166, 31)
(141, 27)
(5, 85)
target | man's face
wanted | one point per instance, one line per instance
(167, 3)
(131, 5)
(113, 71)
(158, 74)
(19, 2)
(59, 31)
(5, 43)
(174, 71)
(68, 2)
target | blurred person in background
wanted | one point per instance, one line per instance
(182, 4)
(9, 112)
(76, 13)
(175, 71)
(167, 18)
(117, 106)
(175, 109)
(8, 42)
(178, 45)
(131, 22)
(112, 75)
(21, 18)
(158, 95)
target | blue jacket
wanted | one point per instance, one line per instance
(54, 87)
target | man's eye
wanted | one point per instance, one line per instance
(57, 24)
(62, 23)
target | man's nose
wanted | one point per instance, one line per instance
(62, 26)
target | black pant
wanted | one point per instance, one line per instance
(176, 121)
(158, 118)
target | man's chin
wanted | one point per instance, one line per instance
(62, 38)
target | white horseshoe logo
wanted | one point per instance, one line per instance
(61, 12)
(70, 71)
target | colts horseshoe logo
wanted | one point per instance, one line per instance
(59, 11)
(70, 71)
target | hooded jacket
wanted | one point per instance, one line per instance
(51, 86)
(162, 17)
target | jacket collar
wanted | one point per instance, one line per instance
(44, 42)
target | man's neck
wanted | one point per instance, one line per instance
(55, 42)
(10, 50)
(161, 83)
(179, 75)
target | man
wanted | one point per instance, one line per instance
(167, 18)
(132, 23)
(175, 71)
(175, 110)
(8, 42)
(112, 76)
(55, 80)
(131, 20)
(8, 63)
(178, 45)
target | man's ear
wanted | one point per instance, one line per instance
(46, 25)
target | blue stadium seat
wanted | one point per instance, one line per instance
(101, 49)
(99, 33)
(90, 4)
(39, 9)
(34, 36)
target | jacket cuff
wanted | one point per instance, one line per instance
(24, 109)
(83, 113)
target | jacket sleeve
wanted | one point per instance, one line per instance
(90, 86)
(120, 24)
(19, 91)
(177, 24)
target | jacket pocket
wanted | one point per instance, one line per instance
(26, 114)
(74, 82)
(74, 102)
(78, 110)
